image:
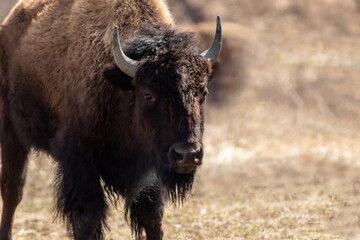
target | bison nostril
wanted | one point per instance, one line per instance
(177, 156)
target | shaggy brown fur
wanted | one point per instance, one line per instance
(62, 93)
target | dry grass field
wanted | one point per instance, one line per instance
(282, 157)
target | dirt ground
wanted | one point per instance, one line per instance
(282, 156)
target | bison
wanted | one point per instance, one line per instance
(121, 122)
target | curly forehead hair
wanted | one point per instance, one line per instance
(162, 41)
(172, 54)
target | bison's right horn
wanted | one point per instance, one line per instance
(213, 51)
(126, 64)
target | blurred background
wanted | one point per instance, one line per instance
(282, 157)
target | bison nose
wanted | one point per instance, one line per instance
(185, 156)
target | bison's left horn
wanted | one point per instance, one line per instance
(126, 64)
(214, 50)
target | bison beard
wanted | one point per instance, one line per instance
(178, 185)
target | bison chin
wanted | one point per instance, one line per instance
(178, 185)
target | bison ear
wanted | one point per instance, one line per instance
(118, 78)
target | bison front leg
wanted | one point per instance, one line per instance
(146, 212)
(81, 202)
(80, 197)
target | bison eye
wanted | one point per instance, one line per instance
(148, 97)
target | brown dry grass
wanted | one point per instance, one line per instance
(282, 135)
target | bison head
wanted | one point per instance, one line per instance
(168, 78)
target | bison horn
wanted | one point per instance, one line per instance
(214, 50)
(126, 64)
